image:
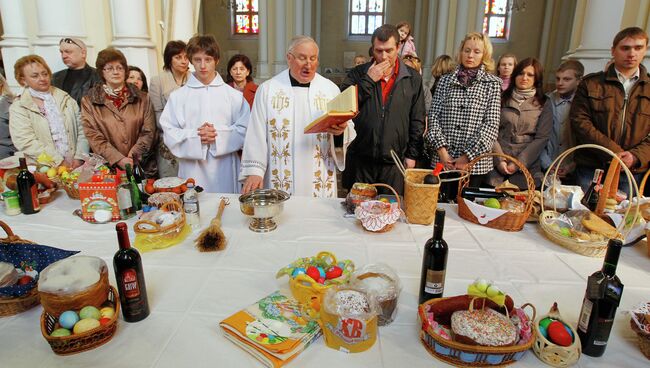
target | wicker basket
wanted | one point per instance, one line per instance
(610, 186)
(464, 355)
(12, 306)
(304, 288)
(388, 226)
(77, 343)
(145, 227)
(643, 339)
(552, 354)
(95, 295)
(509, 221)
(420, 200)
(70, 187)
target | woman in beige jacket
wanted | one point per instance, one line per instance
(45, 119)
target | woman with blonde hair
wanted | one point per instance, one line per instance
(45, 119)
(464, 115)
(442, 65)
(6, 98)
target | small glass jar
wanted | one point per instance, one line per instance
(12, 205)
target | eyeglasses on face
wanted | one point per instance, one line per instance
(70, 41)
(110, 69)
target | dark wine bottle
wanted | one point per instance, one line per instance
(603, 295)
(472, 193)
(135, 191)
(27, 189)
(434, 262)
(140, 181)
(129, 277)
(590, 200)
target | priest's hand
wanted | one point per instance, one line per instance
(379, 71)
(252, 182)
(207, 133)
(337, 129)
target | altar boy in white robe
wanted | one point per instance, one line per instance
(204, 122)
(277, 154)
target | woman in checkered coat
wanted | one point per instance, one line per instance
(464, 115)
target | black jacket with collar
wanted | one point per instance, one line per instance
(397, 125)
(89, 78)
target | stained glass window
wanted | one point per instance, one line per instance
(245, 17)
(366, 16)
(496, 23)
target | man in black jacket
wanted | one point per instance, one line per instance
(391, 115)
(79, 77)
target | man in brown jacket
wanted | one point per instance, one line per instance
(612, 109)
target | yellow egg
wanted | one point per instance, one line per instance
(107, 312)
(62, 169)
(51, 172)
(84, 325)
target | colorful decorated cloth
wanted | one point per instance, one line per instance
(31, 259)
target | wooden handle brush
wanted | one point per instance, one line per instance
(212, 238)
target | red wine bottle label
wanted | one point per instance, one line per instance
(130, 282)
(435, 283)
(585, 314)
(35, 204)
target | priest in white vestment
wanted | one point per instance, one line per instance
(277, 154)
(204, 122)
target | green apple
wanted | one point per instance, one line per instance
(492, 203)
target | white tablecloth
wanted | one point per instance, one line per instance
(191, 292)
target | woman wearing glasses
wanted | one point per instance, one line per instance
(45, 119)
(118, 118)
(465, 112)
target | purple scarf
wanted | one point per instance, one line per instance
(466, 76)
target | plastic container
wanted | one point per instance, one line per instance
(383, 281)
(12, 205)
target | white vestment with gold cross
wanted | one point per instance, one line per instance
(276, 147)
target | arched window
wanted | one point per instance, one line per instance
(496, 22)
(245, 18)
(365, 16)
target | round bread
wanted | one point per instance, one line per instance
(482, 327)
(8, 274)
(363, 190)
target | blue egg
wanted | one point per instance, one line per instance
(543, 331)
(298, 271)
(68, 319)
(321, 271)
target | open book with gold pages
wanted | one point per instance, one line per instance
(273, 329)
(343, 107)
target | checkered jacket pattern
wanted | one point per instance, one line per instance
(465, 119)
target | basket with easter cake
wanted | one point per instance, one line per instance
(80, 308)
(587, 228)
(483, 328)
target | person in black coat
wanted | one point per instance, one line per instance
(79, 77)
(391, 115)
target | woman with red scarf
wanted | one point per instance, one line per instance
(118, 119)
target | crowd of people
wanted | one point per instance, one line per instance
(234, 136)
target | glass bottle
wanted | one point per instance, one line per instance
(434, 262)
(129, 277)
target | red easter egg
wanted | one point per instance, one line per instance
(320, 280)
(558, 334)
(24, 280)
(104, 320)
(333, 272)
(313, 272)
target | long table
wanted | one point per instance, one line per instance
(191, 292)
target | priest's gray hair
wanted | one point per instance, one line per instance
(299, 40)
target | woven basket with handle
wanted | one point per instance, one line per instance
(610, 187)
(12, 306)
(509, 221)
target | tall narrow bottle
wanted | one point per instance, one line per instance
(191, 206)
(27, 189)
(590, 200)
(124, 202)
(434, 262)
(129, 277)
(604, 290)
(135, 191)
(140, 181)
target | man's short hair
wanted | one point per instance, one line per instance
(632, 32)
(384, 33)
(73, 41)
(299, 40)
(172, 49)
(206, 43)
(574, 65)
